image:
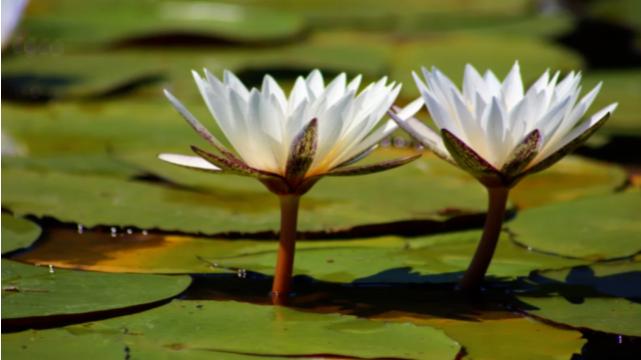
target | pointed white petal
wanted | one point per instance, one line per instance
(315, 84)
(512, 87)
(194, 162)
(576, 132)
(496, 149)
(473, 84)
(235, 83)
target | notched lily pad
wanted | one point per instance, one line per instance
(503, 337)
(597, 227)
(195, 329)
(222, 204)
(599, 297)
(18, 233)
(76, 23)
(38, 293)
(437, 258)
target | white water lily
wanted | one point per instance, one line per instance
(498, 131)
(289, 141)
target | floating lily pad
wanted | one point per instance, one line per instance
(18, 233)
(572, 178)
(104, 75)
(624, 87)
(450, 53)
(610, 278)
(73, 23)
(241, 205)
(596, 227)
(182, 328)
(582, 297)
(37, 292)
(437, 258)
(503, 337)
(606, 314)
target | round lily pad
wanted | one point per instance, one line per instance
(183, 328)
(450, 53)
(73, 23)
(18, 233)
(596, 297)
(611, 315)
(503, 336)
(597, 227)
(437, 258)
(233, 204)
(42, 291)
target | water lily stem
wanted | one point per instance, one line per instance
(281, 287)
(475, 273)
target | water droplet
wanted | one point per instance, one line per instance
(81, 229)
(51, 270)
(242, 273)
(129, 231)
(145, 233)
(114, 231)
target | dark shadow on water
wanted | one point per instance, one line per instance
(180, 40)
(427, 296)
(620, 149)
(581, 283)
(41, 89)
(603, 44)
(28, 88)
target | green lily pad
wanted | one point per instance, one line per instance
(596, 297)
(450, 53)
(183, 328)
(597, 227)
(572, 178)
(36, 292)
(624, 87)
(241, 205)
(503, 337)
(606, 314)
(101, 75)
(18, 233)
(74, 23)
(437, 258)
(608, 278)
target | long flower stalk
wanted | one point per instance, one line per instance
(473, 276)
(281, 288)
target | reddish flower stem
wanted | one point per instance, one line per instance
(281, 287)
(475, 272)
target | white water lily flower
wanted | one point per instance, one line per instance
(289, 141)
(498, 131)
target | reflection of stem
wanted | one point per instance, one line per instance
(285, 263)
(474, 274)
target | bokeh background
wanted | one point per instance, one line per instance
(145, 250)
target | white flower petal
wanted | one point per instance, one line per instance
(576, 132)
(235, 83)
(315, 84)
(194, 162)
(497, 150)
(512, 87)
(473, 85)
